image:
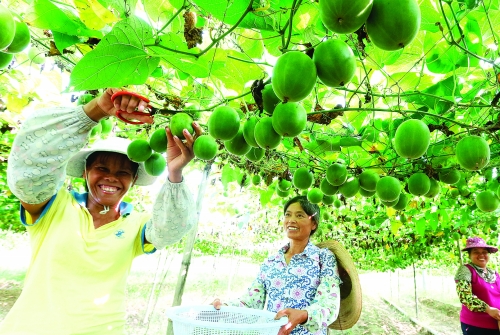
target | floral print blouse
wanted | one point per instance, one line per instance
(309, 282)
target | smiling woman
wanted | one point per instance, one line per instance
(301, 281)
(84, 244)
(478, 289)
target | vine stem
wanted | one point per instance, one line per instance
(172, 18)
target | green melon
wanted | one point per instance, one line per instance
(284, 184)
(96, 130)
(402, 202)
(223, 123)
(106, 126)
(139, 151)
(5, 60)
(487, 201)
(179, 122)
(205, 147)
(434, 190)
(315, 195)
(366, 193)
(449, 176)
(294, 76)
(84, 99)
(327, 199)
(412, 138)
(454, 193)
(265, 135)
(155, 165)
(393, 24)
(255, 154)
(237, 145)
(7, 27)
(335, 62)
(419, 184)
(368, 180)
(336, 174)
(328, 188)
(256, 179)
(269, 98)
(388, 188)
(350, 188)
(249, 131)
(158, 140)
(390, 203)
(472, 152)
(36, 55)
(344, 16)
(21, 39)
(337, 203)
(289, 119)
(282, 194)
(302, 178)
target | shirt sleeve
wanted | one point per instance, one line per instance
(325, 306)
(174, 214)
(41, 150)
(255, 297)
(463, 279)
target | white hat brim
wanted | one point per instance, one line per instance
(76, 164)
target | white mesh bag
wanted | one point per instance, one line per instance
(206, 320)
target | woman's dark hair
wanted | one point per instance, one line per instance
(104, 156)
(308, 207)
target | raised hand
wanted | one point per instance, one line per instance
(180, 153)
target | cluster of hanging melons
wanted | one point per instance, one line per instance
(14, 36)
(390, 24)
(150, 151)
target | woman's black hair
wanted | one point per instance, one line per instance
(104, 155)
(311, 209)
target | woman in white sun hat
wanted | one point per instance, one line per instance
(83, 245)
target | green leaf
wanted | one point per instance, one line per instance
(250, 41)
(161, 11)
(63, 41)
(473, 41)
(118, 60)
(420, 226)
(228, 175)
(448, 89)
(324, 144)
(267, 194)
(226, 11)
(395, 225)
(123, 8)
(430, 16)
(46, 15)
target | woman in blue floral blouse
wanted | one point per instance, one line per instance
(301, 281)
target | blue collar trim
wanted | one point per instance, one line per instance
(125, 207)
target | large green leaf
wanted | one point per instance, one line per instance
(118, 60)
(44, 14)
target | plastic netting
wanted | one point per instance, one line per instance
(206, 320)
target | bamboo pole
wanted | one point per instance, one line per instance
(415, 286)
(188, 247)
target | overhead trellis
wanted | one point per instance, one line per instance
(195, 55)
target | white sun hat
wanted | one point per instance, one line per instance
(76, 164)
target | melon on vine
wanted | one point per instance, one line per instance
(434, 190)
(487, 201)
(328, 188)
(205, 147)
(256, 179)
(335, 62)
(284, 184)
(419, 184)
(328, 199)
(472, 152)
(350, 188)
(393, 24)
(302, 178)
(449, 176)
(249, 131)
(336, 174)
(265, 135)
(237, 145)
(344, 16)
(412, 138)
(368, 180)
(388, 189)
(7, 27)
(255, 154)
(289, 119)
(5, 60)
(22, 38)
(294, 76)
(315, 195)
(402, 202)
(365, 193)
(269, 99)
(223, 123)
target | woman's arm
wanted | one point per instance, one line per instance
(463, 279)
